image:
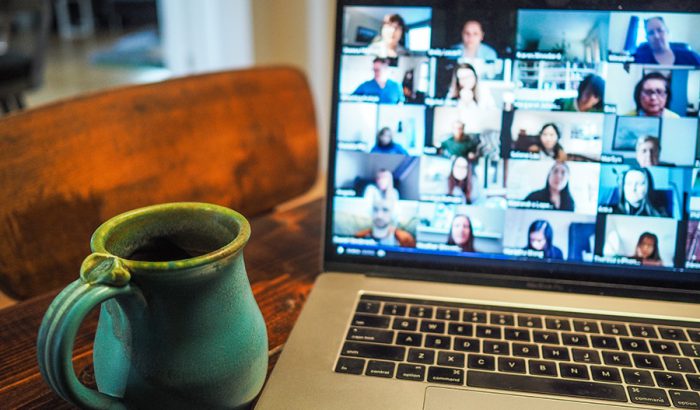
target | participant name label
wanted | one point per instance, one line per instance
(616, 260)
(530, 253)
(445, 52)
(611, 159)
(512, 203)
(620, 58)
(538, 55)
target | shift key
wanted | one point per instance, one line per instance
(372, 351)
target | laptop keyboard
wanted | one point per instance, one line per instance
(598, 357)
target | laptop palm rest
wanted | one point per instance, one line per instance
(439, 398)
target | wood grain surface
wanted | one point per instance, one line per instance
(282, 260)
(243, 139)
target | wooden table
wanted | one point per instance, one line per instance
(283, 259)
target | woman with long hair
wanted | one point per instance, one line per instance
(461, 233)
(556, 190)
(539, 238)
(548, 143)
(636, 189)
(459, 182)
(647, 250)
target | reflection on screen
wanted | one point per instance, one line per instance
(522, 134)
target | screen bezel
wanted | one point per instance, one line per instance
(680, 284)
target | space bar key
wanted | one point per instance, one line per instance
(546, 385)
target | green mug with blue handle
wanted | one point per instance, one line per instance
(179, 326)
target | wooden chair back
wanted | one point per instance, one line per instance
(242, 139)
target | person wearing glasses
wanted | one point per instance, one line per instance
(652, 96)
(659, 49)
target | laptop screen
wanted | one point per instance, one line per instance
(518, 137)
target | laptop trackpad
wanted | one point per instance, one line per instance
(439, 398)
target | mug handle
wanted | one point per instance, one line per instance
(102, 277)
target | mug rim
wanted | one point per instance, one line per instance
(101, 234)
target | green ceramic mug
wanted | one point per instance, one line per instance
(178, 327)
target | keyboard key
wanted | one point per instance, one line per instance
(380, 369)
(690, 349)
(573, 371)
(555, 353)
(585, 356)
(409, 339)
(604, 342)
(367, 306)
(664, 347)
(460, 329)
(606, 374)
(394, 309)
(429, 326)
(586, 326)
(671, 333)
(637, 377)
(694, 335)
(450, 359)
(530, 321)
(574, 339)
(502, 319)
(693, 381)
(643, 331)
(493, 347)
(363, 334)
(615, 329)
(617, 359)
(558, 324)
(540, 336)
(371, 321)
(542, 368)
(474, 316)
(481, 362)
(446, 375)
(447, 314)
(350, 365)
(405, 324)
(437, 342)
(645, 395)
(410, 372)
(526, 350)
(633, 345)
(522, 335)
(421, 356)
(509, 365)
(538, 385)
(421, 312)
(670, 380)
(645, 361)
(685, 399)
(679, 364)
(464, 344)
(488, 332)
(372, 351)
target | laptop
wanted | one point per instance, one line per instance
(512, 210)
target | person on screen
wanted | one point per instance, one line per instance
(461, 233)
(658, 49)
(384, 143)
(548, 143)
(647, 150)
(465, 89)
(459, 182)
(636, 189)
(591, 92)
(652, 95)
(473, 46)
(540, 237)
(384, 229)
(388, 91)
(556, 190)
(382, 188)
(388, 43)
(459, 143)
(647, 250)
